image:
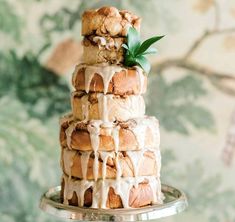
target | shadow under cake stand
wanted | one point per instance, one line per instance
(174, 203)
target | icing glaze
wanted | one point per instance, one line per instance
(94, 130)
(136, 157)
(101, 188)
(139, 130)
(106, 72)
(110, 107)
(84, 163)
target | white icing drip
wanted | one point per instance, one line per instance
(68, 156)
(84, 163)
(100, 188)
(105, 71)
(112, 108)
(96, 165)
(140, 131)
(122, 188)
(104, 156)
(79, 187)
(85, 109)
(103, 107)
(97, 194)
(84, 185)
(118, 167)
(104, 194)
(141, 78)
(136, 184)
(115, 135)
(68, 133)
(94, 130)
(136, 157)
(154, 190)
(155, 185)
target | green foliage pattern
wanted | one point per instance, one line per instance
(42, 91)
(175, 104)
(10, 23)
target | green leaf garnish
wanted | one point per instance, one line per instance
(147, 43)
(133, 39)
(136, 51)
(143, 62)
(150, 51)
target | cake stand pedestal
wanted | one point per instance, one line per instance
(174, 203)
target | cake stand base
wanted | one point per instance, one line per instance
(174, 203)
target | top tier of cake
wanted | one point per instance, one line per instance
(108, 21)
(104, 32)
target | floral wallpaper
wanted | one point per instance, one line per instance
(191, 91)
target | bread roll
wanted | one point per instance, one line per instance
(134, 134)
(109, 79)
(109, 193)
(108, 21)
(110, 165)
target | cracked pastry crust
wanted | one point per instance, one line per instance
(108, 108)
(97, 49)
(134, 134)
(110, 165)
(126, 81)
(108, 21)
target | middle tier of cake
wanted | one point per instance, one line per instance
(110, 165)
(95, 135)
(108, 108)
(111, 79)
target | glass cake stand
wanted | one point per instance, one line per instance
(174, 203)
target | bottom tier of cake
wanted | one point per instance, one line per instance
(126, 192)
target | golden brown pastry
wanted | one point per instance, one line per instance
(108, 108)
(117, 80)
(108, 21)
(129, 192)
(97, 49)
(134, 134)
(109, 165)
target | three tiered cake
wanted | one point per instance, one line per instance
(110, 150)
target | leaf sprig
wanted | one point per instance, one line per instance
(136, 51)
